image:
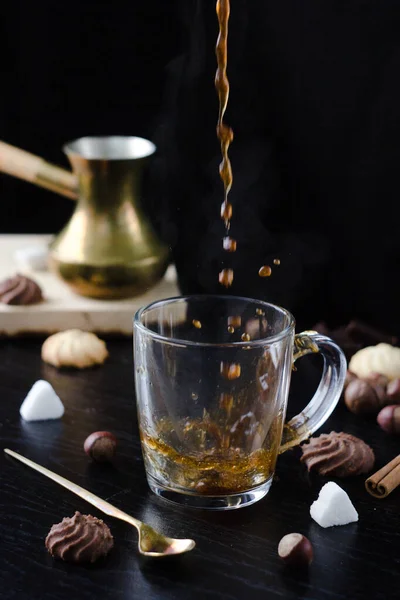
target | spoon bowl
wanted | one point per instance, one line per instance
(152, 543)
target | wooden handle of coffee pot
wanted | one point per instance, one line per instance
(27, 166)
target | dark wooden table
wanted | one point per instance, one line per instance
(236, 553)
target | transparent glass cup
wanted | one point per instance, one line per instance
(212, 380)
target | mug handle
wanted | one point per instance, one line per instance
(325, 399)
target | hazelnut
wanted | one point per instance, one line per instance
(296, 550)
(379, 383)
(389, 418)
(100, 446)
(393, 391)
(360, 397)
(370, 394)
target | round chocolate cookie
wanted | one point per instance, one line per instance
(79, 539)
(20, 290)
(337, 454)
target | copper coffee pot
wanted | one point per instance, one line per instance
(108, 249)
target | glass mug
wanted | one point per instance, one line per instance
(212, 382)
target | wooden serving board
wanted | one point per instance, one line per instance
(62, 308)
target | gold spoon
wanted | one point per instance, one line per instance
(150, 543)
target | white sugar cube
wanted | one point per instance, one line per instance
(333, 507)
(32, 257)
(41, 403)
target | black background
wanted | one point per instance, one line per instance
(315, 106)
(76, 68)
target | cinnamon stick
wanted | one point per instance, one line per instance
(382, 483)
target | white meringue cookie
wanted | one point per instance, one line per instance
(383, 359)
(74, 348)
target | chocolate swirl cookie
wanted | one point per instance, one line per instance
(338, 454)
(79, 539)
(20, 290)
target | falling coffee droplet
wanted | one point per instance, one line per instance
(226, 211)
(245, 337)
(226, 277)
(265, 271)
(196, 323)
(260, 312)
(235, 321)
(231, 329)
(194, 396)
(226, 402)
(277, 262)
(229, 244)
(230, 370)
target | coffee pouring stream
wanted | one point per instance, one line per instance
(108, 249)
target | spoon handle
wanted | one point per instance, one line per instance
(99, 503)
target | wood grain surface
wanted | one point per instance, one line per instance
(236, 553)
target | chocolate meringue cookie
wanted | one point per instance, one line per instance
(337, 454)
(20, 290)
(79, 539)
